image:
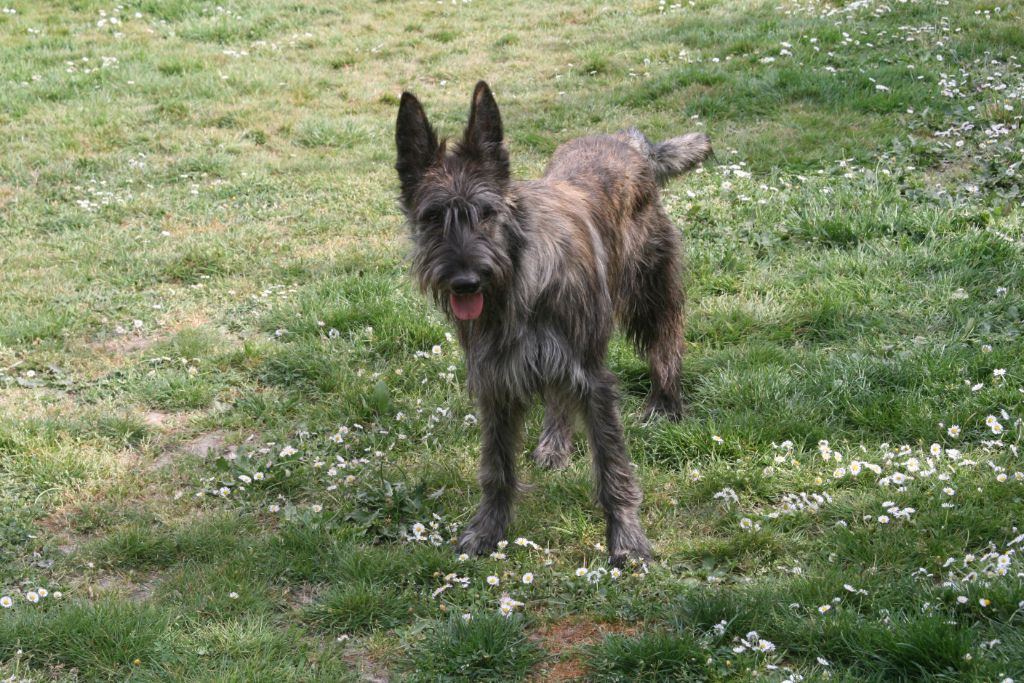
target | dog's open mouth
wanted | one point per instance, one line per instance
(467, 306)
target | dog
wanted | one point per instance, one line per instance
(534, 275)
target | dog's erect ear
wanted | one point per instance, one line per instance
(484, 127)
(416, 143)
(484, 134)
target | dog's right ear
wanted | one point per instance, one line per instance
(416, 143)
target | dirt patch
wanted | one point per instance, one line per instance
(155, 418)
(135, 586)
(100, 357)
(169, 422)
(200, 447)
(302, 596)
(58, 525)
(7, 195)
(118, 350)
(563, 639)
(126, 343)
(369, 670)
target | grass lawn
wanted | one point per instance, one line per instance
(235, 442)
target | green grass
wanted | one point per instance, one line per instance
(224, 406)
(649, 657)
(486, 648)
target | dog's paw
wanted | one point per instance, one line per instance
(667, 407)
(631, 557)
(627, 544)
(626, 560)
(550, 458)
(477, 542)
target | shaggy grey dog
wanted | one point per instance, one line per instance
(533, 275)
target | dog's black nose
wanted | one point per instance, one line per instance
(466, 283)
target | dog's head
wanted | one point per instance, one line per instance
(456, 204)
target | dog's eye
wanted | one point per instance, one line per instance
(433, 217)
(486, 213)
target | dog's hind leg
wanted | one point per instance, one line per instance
(501, 425)
(655, 317)
(555, 443)
(616, 486)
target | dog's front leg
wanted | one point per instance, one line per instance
(617, 489)
(501, 426)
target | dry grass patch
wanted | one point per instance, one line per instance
(563, 640)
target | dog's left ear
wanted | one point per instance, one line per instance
(484, 134)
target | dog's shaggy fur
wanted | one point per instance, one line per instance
(533, 274)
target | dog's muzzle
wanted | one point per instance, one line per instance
(466, 300)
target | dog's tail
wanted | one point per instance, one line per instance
(674, 156)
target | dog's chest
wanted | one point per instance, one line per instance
(519, 367)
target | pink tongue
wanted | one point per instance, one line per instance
(467, 306)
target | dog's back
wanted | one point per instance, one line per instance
(605, 190)
(627, 153)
